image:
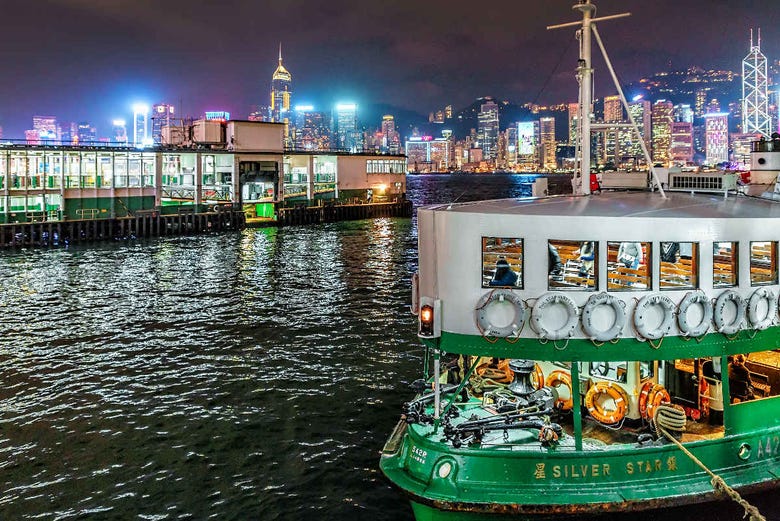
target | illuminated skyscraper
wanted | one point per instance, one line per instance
(281, 91)
(45, 127)
(683, 113)
(717, 132)
(682, 142)
(613, 109)
(119, 132)
(162, 116)
(346, 128)
(87, 134)
(390, 136)
(487, 130)
(312, 129)
(140, 124)
(662, 119)
(547, 139)
(573, 110)
(755, 105)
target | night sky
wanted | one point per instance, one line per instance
(92, 59)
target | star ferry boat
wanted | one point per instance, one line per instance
(592, 353)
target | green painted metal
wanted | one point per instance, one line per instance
(670, 348)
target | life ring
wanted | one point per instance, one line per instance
(645, 303)
(538, 377)
(717, 312)
(591, 329)
(556, 379)
(682, 314)
(762, 322)
(596, 408)
(651, 396)
(538, 316)
(498, 298)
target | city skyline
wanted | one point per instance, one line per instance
(106, 56)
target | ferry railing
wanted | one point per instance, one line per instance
(87, 213)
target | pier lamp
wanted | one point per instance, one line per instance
(429, 318)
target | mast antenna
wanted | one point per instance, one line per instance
(587, 29)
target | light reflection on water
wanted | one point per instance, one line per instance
(242, 376)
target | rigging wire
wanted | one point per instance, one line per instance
(552, 73)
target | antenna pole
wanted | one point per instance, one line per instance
(585, 76)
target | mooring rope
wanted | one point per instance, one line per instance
(717, 482)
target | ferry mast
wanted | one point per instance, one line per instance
(585, 79)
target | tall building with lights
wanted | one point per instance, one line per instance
(391, 138)
(547, 140)
(487, 130)
(346, 127)
(119, 132)
(573, 114)
(717, 137)
(140, 124)
(162, 116)
(755, 104)
(662, 118)
(682, 142)
(45, 127)
(281, 92)
(87, 134)
(311, 129)
(641, 113)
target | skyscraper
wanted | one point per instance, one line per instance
(140, 124)
(547, 140)
(392, 141)
(87, 134)
(281, 91)
(574, 109)
(662, 119)
(487, 131)
(755, 105)
(717, 136)
(682, 142)
(162, 116)
(45, 127)
(119, 132)
(346, 128)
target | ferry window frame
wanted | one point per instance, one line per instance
(490, 258)
(594, 278)
(772, 264)
(648, 256)
(665, 284)
(735, 265)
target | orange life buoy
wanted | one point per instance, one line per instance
(658, 395)
(618, 396)
(558, 378)
(538, 377)
(646, 388)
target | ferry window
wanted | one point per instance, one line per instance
(627, 266)
(754, 376)
(572, 265)
(763, 263)
(615, 371)
(724, 264)
(679, 265)
(502, 262)
(646, 370)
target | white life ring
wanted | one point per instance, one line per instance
(717, 312)
(644, 304)
(539, 311)
(687, 329)
(762, 322)
(591, 329)
(489, 310)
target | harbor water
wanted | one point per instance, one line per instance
(251, 375)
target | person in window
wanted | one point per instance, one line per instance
(587, 256)
(503, 276)
(630, 254)
(740, 383)
(669, 251)
(554, 264)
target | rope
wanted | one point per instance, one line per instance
(717, 482)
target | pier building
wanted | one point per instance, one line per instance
(202, 165)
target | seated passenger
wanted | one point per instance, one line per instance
(587, 256)
(740, 383)
(630, 254)
(669, 251)
(554, 264)
(503, 276)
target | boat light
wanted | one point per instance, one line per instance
(430, 325)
